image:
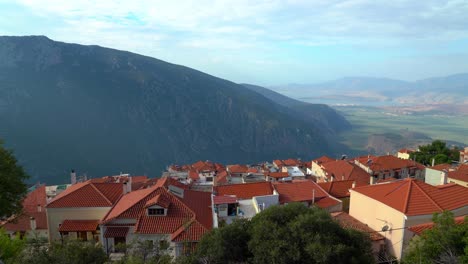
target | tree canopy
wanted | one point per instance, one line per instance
(446, 242)
(12, 185)
(438, 151)
(292, 233)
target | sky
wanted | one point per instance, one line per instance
(271, 42)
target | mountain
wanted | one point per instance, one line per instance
(102, 111)
(382, 91)
(329, 119)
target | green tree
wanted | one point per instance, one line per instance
(12, 186)
(225, 245)
(70, 251)
(446, 242)
(145, 251)
(10, 248)
(297, 234)
(438, 151)
(292, 233)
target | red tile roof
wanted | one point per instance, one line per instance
(458, 175)
(418, 229)
(389, 162)
(277, 175)
(221, 178)
(245, 190)
(323, 159)
(88, 194)
(193, 175)
(190, 216)
(78, 225)
(116, 231)
(298, 191)
(338, 189)
(327, 202)
(441, 167)
(408, 151)
(237, 168)
(224, 199)
(33, 206)
(347, 221)
(278, 163)
(160, 200)
(414, 197)
(292, 162)
(344, 170)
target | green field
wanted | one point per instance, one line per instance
(368, 120)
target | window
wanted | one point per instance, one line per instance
(209, 179)
(156, 211)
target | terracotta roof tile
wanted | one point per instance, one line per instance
(160, 200)
(193, 232)
(344, 170)
(323, 159)
(88, 194)
(441, 167)
(78, 225)
(245, 190)
(347, 221)
(224, 199)
(418, 229)
(458, 175)
(237, 168)
(389, 162)
(338, 189)
(277, 175)
(414, 197)
(116, 231)
(298, 191)
(327, 202)
(221, 178)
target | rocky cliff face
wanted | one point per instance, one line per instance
(102, 111)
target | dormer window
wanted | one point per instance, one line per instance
(156, 211)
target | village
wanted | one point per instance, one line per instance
(390, 197)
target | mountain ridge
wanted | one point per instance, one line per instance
(103, 111)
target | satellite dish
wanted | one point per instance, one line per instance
(385, 228)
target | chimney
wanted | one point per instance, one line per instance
(39, 208)
(32, 221)
(372, 180)
(353, 185)
(433, 162)
(342, 177)
(443, 177)
(124, 185)
(332, 178)
(73, 177)
(129, 184)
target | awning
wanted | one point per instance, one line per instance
(114, 231)
(79, 225)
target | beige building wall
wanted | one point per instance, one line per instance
(403, 155)
(462, 183)
(377, 215)
(317, 171)
(55, 217)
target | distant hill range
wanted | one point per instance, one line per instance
(442, 93)
(102, 111)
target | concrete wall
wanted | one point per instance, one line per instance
(433, 177)
(462, 183)
(377, 215)
(55, 217)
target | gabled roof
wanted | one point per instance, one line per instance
(278, 163)
(221, 178)
(88, 194)
(344, 170)
(299, 191)
(292, 162)
(414, 197)
(347, 221)
(237, 168)
(458, 175)
(389, 162)
(160, 200)
(323, 159)
(338, 189)
(418, 229)
(245, 190)
(189, 216)
(33, 206)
